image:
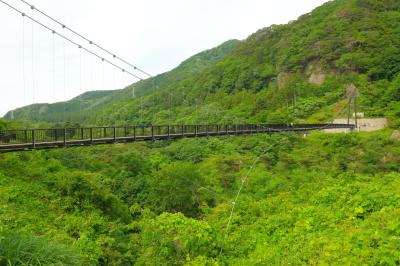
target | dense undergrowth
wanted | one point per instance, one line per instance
(326, 199)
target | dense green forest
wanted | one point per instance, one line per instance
(329, 199)
(320, 200)
(283, 73)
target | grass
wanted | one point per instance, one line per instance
(20, 249)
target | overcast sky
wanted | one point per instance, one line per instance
(155, 35)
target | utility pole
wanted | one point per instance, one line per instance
(352, 94)
(355, 111)
(348, 110)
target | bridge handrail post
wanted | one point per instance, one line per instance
(134, 133)
(82, 133)
(91, 136)
(65, 137)
(114, 134)
(169, 131)
(105, 132)
(26, 136)
(152, 132)
(183, 130)
(195, 130)
(33, 138)
(125, 131)
(54, 134)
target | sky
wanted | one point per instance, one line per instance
(154, 35)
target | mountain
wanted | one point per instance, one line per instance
(282, 73)
(75, 109)
(292, 72)
(81, 108)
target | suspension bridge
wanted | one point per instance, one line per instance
(28, 139)
(23, 139)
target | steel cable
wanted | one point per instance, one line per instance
(69, 40)
(87, 39)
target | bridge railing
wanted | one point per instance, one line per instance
(60, 136)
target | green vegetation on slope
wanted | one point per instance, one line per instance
(329, 199)
(82, 108)
(3, 124)
(77, 109)
(282, 73)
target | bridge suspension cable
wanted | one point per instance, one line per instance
(64, 79)
(23, 59)
(87, 39)
(71, 41)
(33, 60)
(54, 68)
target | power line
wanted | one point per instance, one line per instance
(244, 179)
(86, 39)
(69, 40)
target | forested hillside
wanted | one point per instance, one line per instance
(319, 199)
(327, 199)
(282, 73)
(76, 110)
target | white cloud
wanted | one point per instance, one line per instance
(154, 34)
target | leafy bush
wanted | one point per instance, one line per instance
(173, 239)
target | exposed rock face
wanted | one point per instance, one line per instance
(283, 78)
(317, 75)
(396, 134)
(317, 78)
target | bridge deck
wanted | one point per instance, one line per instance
(27, 139)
